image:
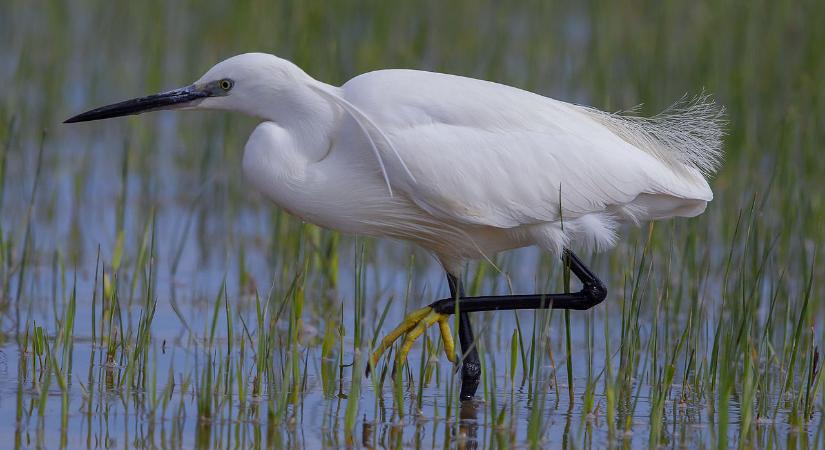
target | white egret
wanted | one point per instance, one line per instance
(462, 167)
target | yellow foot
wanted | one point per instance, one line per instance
(414, 325)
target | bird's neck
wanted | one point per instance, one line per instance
(307, 116)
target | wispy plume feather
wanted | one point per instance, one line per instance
(688, 133)
(369, 128)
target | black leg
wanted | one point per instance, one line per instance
(471, 366)
(592, 293)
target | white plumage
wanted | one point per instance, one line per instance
(467, 168)
(463, 167)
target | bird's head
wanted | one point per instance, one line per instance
(256, 84)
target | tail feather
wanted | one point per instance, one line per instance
(688, 133)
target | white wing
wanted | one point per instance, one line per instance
(489, 154)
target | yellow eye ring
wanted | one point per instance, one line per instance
(225, 84)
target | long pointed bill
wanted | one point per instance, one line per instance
(177, 98)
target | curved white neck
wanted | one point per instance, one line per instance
(306, 116)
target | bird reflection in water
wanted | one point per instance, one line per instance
(468, 425)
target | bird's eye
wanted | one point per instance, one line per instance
(226, 84)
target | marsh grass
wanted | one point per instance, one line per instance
(149, 299)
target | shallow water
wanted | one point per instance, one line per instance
(717, 302)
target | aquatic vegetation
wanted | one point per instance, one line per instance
(149, 298)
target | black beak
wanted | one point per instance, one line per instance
(167, 100)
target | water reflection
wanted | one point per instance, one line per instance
(468, 425)
(165, 194)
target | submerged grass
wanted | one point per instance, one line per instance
(149, 299)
